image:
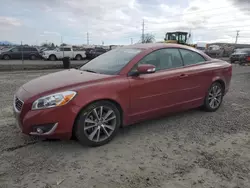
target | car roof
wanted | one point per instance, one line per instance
(157, 46)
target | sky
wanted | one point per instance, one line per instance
(120, 21)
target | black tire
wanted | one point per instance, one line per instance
(52, 57)
(6, 57)
(32, 57)
(78, 57)
(207, 102)
(79, 126)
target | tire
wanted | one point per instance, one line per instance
(32, 57)
(52, 57)
(78, 57)
(215, 91)
(6, 57)
(88, 127)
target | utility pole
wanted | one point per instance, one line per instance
(237, 36)
(62, 45)
(143, 28)
(87, 38)
(131, 40)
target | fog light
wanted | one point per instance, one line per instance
(39, 131)
(44, 129)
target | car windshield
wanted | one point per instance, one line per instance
(111, 62)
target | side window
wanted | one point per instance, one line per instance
(162, 59)
(15, 50)
(33, 49)
(191, 58)
(67, 49)
(26, 49)
(152, 58)
(170, 58)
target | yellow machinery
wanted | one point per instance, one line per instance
(178, 37)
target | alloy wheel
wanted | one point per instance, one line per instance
(215, 97)
(100, 123)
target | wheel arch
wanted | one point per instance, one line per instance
(52, 55)
(78, 55)
(222, 82)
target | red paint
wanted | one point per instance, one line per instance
(140, 98)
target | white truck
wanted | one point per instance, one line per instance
(63, 51)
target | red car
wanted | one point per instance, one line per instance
(121, 87)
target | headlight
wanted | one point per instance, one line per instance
(57, 99)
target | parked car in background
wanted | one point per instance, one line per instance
(19, 52)
(240, 55)
(65, 51)
(95, 52)
(121, 87)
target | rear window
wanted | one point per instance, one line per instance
(191, 58)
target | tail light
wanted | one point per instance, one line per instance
(248, 58)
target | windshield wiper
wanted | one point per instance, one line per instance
(89, 70)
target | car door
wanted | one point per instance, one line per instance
(16, 53)
(26, 52)
(159, 92)
(197, 75)
(67, 52)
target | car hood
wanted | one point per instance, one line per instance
(61, 80)
(49, 51)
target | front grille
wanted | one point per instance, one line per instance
(18, 104)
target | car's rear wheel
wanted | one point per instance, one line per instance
(98, 123)
(32, 57)
(6, 57)
(214, 97)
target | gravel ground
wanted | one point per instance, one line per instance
(189, 149)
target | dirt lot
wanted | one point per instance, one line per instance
(190, 149)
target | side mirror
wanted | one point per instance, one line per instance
(145, 69)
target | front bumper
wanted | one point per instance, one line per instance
(60, 119)
(45, 56)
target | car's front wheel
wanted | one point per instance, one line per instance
(6, 57)
(52, 57)
(98, 123)
(214, 97)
